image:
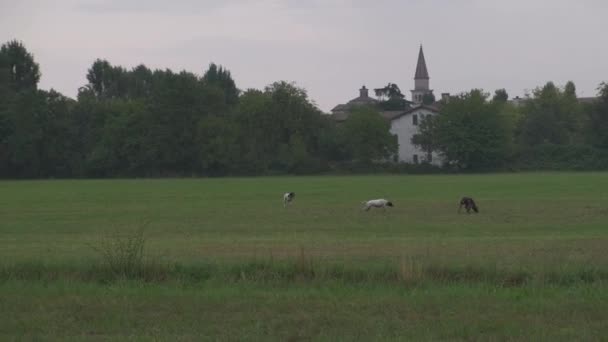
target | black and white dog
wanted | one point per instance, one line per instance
(469, 204)
(288, 197)
(376, 203)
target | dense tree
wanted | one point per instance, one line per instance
(551, 116)
(140, 82)
(39, 142)
(570, 90)
(7, 98)
(107, 81)
(221, 78)
(283, 128)
(470, 132)
(390, 97)
(500, 95)
(597, 125)
(390, 91)
(217, 142)
(19, 66)
(428, 98)
(367, 137)
(120, 143)
(143, 122)
(427, 139)
(35, 136)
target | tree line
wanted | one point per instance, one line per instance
(551, 128)
(151, 123)
(156, 123)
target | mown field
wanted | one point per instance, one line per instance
(223, 260)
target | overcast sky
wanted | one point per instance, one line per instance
(329, 47)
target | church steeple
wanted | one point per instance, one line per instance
(421, 80)
(421, 72)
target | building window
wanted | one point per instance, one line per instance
(415, 159)
(415, 120)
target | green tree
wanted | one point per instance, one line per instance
(390, 91)
(551, 116)
(107, 81)
(140, 82)
(118, 147)
(390, 97)
(500, 95)
(427, 138)
(278, 124)
(367, 136)
(428, 98)
(35, 135)
(57, 152)
(570, 90)
(256, 131)
(217, 141)
(221, 78)
(597, 125)
(470, 132)
(23, 71)
(7, 99)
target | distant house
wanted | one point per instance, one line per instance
(405, 122)
(405, 126)
(340, 112)
(587, 100)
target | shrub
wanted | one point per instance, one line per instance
(124, 256)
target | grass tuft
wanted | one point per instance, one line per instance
(124, 256)
(409, 272)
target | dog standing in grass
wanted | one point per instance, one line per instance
(469, 204)
(376, 203)
(288, 197)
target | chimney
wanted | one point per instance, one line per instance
(445, 97)
(363, 92)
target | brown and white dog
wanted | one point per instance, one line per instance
(288, 197)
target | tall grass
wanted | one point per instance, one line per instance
(123, 255)
(124, 258)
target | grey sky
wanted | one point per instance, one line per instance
(329, 47)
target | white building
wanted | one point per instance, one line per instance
(405, 126)
(404, 123)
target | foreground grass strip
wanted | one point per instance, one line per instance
(245, 311)
(407, 272)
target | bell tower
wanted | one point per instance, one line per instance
(421, 80)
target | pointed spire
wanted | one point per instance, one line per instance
(421, 72)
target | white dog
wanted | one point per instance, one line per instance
(288, 197)
(376, 203)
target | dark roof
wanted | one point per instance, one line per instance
(339, 108)
(421, 72)
(358, 101)
(389, 115)
(340, 116)
(587, 99)
(433, 108)
(361, 100)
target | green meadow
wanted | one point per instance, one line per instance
(222, 259)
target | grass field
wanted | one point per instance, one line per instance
(223, 260)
